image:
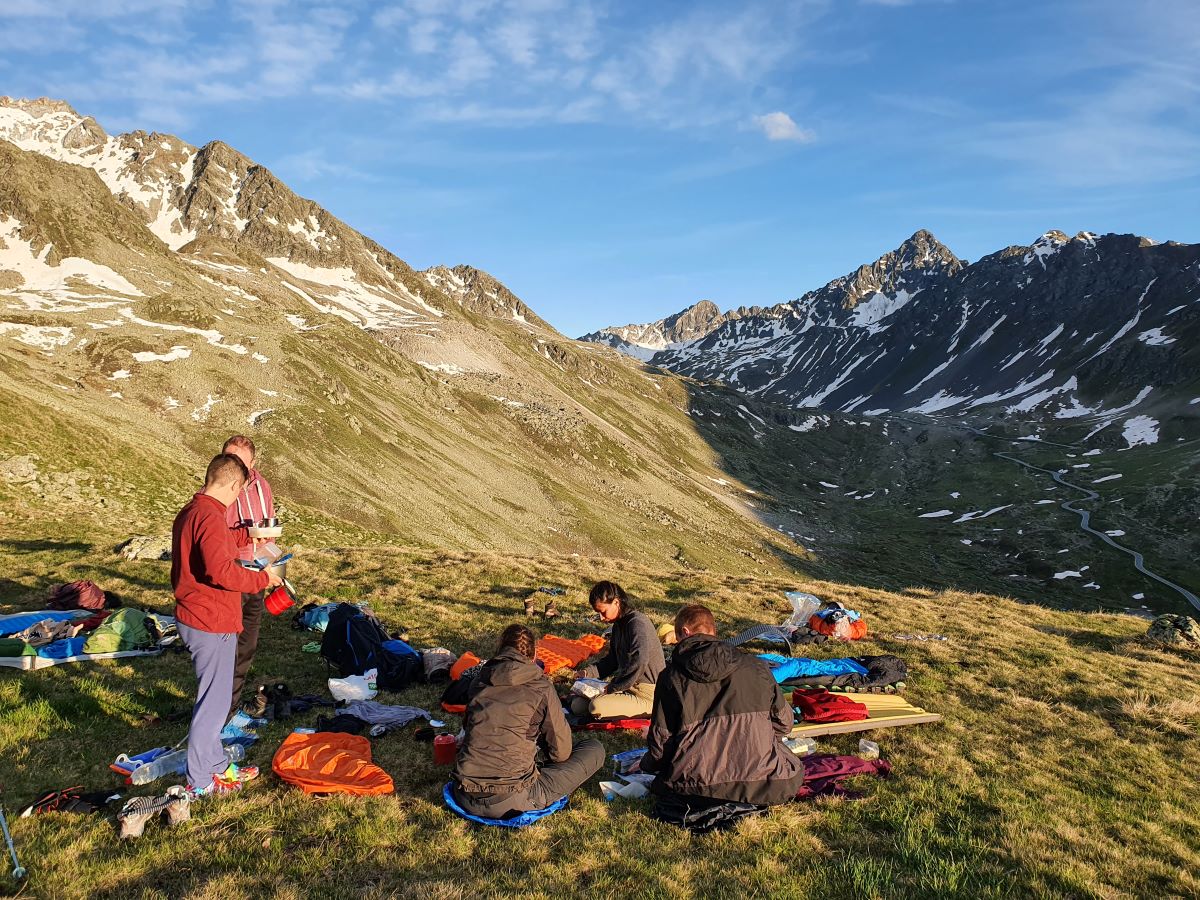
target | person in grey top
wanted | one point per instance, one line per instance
(633, 663)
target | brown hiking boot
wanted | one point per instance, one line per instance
(551, 609)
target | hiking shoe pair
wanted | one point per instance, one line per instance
(230, 781)
(550, 612)
(139, 810)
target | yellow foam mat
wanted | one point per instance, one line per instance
(883, 711)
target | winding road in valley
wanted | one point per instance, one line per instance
(1085, 517)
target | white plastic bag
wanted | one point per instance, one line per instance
(803, 606)
(588, 687)
(356, 687)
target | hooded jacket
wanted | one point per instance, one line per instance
(511, 709)
(635, 654)
(717, 726)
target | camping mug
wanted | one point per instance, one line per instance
(279, 600)
(445, 749)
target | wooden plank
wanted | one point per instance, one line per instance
(896, 720)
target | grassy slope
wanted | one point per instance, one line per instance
(1065, 766)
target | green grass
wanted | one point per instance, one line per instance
(1065, 767)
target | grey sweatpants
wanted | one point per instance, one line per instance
(213, 657)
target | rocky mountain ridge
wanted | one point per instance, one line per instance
(1089, 328)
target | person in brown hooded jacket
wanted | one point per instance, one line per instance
(512, 713)
(718, 723)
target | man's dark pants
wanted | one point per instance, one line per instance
(252, 613)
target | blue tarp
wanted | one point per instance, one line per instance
(784, 668)
(520, 821)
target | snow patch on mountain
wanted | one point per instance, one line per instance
(146, 356)
(44, 337)
(73, 285)
(1140, 431)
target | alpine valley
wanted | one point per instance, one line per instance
(156, 297)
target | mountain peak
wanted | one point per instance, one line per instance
(39, 107)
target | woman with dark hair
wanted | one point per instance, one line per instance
(512, 713)
(634, 660)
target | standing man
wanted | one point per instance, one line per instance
(254, 503)
(208, 584)
(718, 723)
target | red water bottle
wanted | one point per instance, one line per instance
(445, 749)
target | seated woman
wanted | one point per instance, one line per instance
(633, 663)
(512, 713)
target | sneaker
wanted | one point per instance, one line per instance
(240, 774)
(231, 780)
(136, 813)
(178, 806)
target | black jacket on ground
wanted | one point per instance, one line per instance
(635, 654)
(511, 710)
(716, 727)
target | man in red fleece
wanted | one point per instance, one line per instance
(208, 584)
(253, 503)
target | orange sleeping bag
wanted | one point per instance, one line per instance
(330, 763)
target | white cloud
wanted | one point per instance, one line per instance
(778, 126)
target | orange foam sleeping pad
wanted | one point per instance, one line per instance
(562, 653)
(330, 763)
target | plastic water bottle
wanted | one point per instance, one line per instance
(235, 752)
(167, 764)
(868, 749)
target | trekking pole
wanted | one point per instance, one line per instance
(18, 871)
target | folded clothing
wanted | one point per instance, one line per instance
(822, 706)
(330, 763)
(784, 668)
(385, 714)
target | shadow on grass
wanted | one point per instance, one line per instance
(40, 546)
(1092, 640)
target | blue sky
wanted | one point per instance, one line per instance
(615, 162)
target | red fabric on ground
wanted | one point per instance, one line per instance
(822, 706)
(614, 725)
(824, 774)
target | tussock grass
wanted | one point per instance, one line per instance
(1065, 767)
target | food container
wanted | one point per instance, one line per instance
(265, 532)
(445, 750)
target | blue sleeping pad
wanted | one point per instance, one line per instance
(521, 821)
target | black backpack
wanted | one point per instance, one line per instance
(353, 643)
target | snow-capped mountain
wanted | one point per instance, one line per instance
(186, 195)
(1071, 327)
(643, 341)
